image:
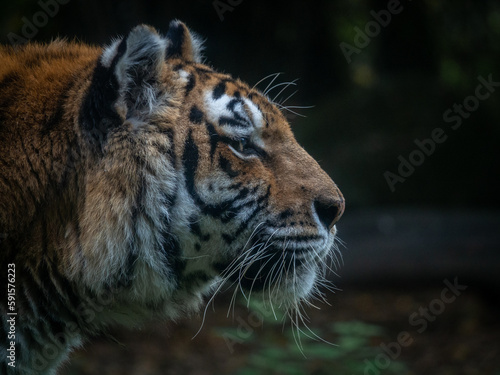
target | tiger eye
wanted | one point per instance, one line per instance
(243, 144)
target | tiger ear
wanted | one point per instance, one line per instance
(182, 43)
(123, 82)
(137, 66)
(139, 59)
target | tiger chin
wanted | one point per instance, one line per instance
(135, 181)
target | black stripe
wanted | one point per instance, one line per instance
(235, 122)
(195, 280)
(237, 186)
(231, 215)
(10, 79)
(203, 70)
(219, 90)
(241, 195)
(50, 304)
(190, 85)
(285, 214)
(178, 67)
(174, 263)
(195, 115)
(225, 165)
(97, 115)
(10, 88)
(26, 303)
(244, 225)
(228, 239)
(170, 247)
(261, 203)
(232, 103)
(190, 161)
(171, 150)
(214, 139)
(57, 116)
(194, 227)
(176, 37)
(235, 210)
(69, 297)
(127, 276)
(230, 106)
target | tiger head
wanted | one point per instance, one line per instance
(195, 178)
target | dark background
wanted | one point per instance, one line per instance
(442, 222)
(365, 113)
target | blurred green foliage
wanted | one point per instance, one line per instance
(353, 344)
(305, 351)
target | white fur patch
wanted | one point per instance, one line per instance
(142, 44)
(184, 76)
(109, 53)
(256, 114)
(217, 109)
(197, 44)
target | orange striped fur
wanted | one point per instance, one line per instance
(136, 180)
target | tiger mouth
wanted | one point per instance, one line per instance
(272, 264)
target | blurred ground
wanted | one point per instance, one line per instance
(464, 339)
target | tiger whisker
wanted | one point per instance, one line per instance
(272, 281)
(314, 335)
(298, 106)
(196, 257)
(266, 77)
(282, 103)
(270, 256)
(225, 276)
(286, 84)
(258, 256)
(270, 83)
(289, 110)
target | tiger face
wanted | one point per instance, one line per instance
(262, 213)
(137, 177)
(221, 189)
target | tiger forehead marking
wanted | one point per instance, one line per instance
(138, 176)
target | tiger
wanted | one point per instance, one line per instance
(135, 181)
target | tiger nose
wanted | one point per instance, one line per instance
(329, 211)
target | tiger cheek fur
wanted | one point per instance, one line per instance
(255, 204)
(145, 180)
